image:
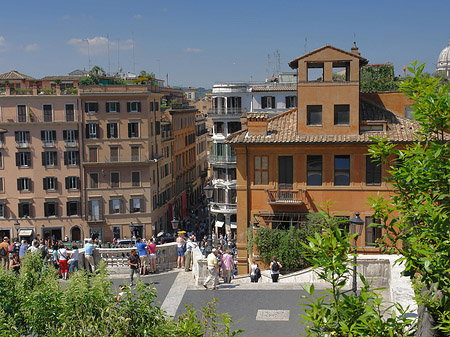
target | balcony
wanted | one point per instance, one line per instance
(73, 143)
(48, 143)
(135, 159)
(285, 197)
(221, 160)
(22, 145)
(95, 218)
(227, 111)
(223, 208)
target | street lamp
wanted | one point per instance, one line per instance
(209, 191)
(357, 223)
(175, 222)
(17, 227)
(132, 231)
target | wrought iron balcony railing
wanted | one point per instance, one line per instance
(286, 196)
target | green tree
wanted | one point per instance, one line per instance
(420, 205)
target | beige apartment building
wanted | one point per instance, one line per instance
(40, 172)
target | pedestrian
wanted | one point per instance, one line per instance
(190, 245)
(23, 248)
(213, 269)
(15, 263)
(227, 266)
(181, 244)
(63, 261)
(89, 250)
(275, 267)
(152, 255)
(4, 253)
(34, 246)
(133, 262)
(143, 258)
(74, 259)
(255, 272)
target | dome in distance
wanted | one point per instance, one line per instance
(443, 63)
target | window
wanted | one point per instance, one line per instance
(373, 171)
(48, 112)
(314, 170)
(93, 158)
(73, 208)
(50, 208)
(114, 153)
(71, 158)
(137, 205)
(23, 159)
(70, 113)
(2, 209)
(315, 72)
(291, 101)
(24, 209)
(136, 179)
(285, 172)
(24, 184)
(91, 107)
(261, 170)
(133, 130)
(94, 210)
(50, 183)
(134, 106)
(341, 170)
(314, 115)
(115, 206)
(49, 158)
(22, 138)
(93, 180)
(72, 183)
(48, 138)
(116, 232)
(71, 137)
(2, 185)
(341, 114)
(341, 71)
(135, 153)
(115, 177)
(91, 130)
(268, 102)
(156, 106)
(112, 107)
(372, 233)
(21, 113)
(112, 130)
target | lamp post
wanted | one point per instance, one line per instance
(132, 231)
(17, 227)
(175, 222)
(209, 191)
(357, 223)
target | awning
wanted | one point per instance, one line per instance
(25, 232)
(233, 225)
(219, 223)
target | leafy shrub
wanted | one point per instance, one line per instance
(378, 78)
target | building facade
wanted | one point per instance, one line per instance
(289, 164)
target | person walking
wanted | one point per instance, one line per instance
(255, 272)
(190, 245)
(74, 259)
(89, 250)
(4, 253)
(133, 262)
(143, 258)
(213, 269)
(23, 248)
(181, 244)
(63, 261)
(275, 267)
(152, 255)
(227, 266)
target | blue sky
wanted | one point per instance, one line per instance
(201, 42)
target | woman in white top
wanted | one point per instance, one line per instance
(253, 274)
(63, 257)
(74, 259)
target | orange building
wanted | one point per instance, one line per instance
(317, 152)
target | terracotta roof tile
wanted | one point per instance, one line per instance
(15, 75)
(283, 129)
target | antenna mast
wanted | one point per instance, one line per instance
(109, 60)
(277, 54)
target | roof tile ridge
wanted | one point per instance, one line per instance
(282, 114)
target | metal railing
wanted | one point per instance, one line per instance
(285, 196)
(226, 111)
(213, 159)
(223, 207)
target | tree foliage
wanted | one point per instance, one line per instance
(35, 303)
(420, 205)
(335, 312)
(378, 78)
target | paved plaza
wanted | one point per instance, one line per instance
(261, 309)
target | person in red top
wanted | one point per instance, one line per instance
(152, 255)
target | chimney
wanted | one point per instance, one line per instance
(355, 49)
(257, 123)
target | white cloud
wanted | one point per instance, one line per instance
(98, 45)
(193, 50)
(31, 47)
(138, 17)
(2, 43)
